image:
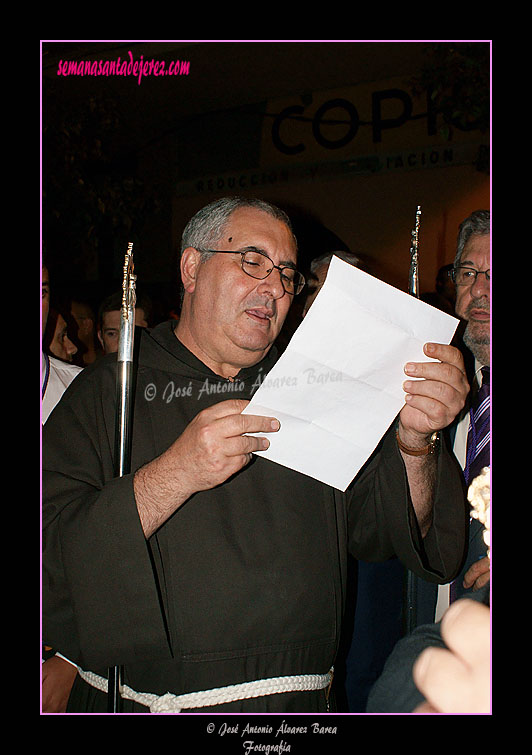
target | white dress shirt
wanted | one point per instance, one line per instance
(56, 376)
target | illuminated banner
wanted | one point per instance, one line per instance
(368, 119)
(373, 128)
(264, 179)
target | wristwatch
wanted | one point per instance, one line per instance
(432, 447)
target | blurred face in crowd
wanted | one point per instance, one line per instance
(84, 318)
(315, 284)
(45, 297)
(61, 346)
(473, 300)
(110, 329)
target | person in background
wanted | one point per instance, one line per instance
(439, 607)
(444, 296)
(456, 678)
(445, 666)
(471, 275)
(442, 667)
(318, 273)
(57, 373)
(58, 342)
(109, 320)
(57, 673)
(84, 316)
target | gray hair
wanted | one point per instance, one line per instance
(324, 259)
(206, 227)
(477, 224)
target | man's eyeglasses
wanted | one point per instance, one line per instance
(466, 276)
(258, 265)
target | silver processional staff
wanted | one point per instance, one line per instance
(124, 392)
(413, 289)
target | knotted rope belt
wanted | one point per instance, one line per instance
(170, 703)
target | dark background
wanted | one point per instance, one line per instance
(116, 155)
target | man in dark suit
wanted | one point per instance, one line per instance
(471, 274)
(472, 277)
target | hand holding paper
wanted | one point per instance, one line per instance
(435, 400)
(339, 384)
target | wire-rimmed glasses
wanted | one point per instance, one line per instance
(258, 265)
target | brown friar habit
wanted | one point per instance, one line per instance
(245, 581)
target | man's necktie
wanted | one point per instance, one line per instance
(478, 457)
(478, 438)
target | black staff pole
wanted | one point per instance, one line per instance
(124, 392)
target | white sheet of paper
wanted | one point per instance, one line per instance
(338, 385)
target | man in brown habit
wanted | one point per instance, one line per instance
(207, 566)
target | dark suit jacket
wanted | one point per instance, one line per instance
(395, 691)
(427, 594)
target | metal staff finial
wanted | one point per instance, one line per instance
(124, 361)
(413, 280)
(128, 284)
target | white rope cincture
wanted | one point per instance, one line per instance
(170, 703)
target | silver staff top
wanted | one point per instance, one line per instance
(127, 314)
(413, 281)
